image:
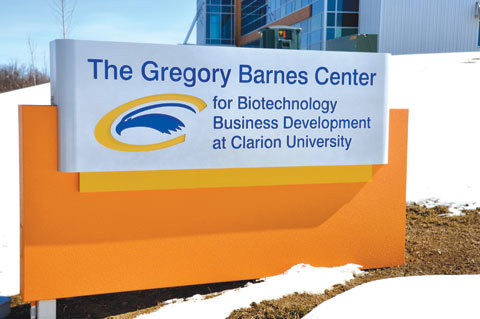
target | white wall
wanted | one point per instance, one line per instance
(421, 26)
(369, 17)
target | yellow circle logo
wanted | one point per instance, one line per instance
(163, 123)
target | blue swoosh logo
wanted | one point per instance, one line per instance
(162, 123)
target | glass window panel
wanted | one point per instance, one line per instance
(290, 7)
(330, 33)
(306, 2)
(347, 5)
(268, 18)
(213, 9)
(227, 2)
(347, 19)
(298, 4)
(316, 36)
(277, 14)
(316, 22)
(227, 9)
(318, 7)
(331, 19)
(479, 34)
(338, 32)
(215, 1)
(215, 26)
(316, 46)
(305, 25)
(208, 26)
(271, 5)
(303, 40)
(331, 5)
(226, 26)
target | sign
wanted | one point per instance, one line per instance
(134, 107)
(77, 244)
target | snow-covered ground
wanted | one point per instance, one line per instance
(441, 91)
(438, 297)
(300, 278)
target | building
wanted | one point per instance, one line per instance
(220, 23)
(406, 26)
(413, 26)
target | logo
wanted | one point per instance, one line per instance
(147, 113)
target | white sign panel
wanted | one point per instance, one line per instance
(130, 106)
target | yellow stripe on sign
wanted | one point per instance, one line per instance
(230, 177)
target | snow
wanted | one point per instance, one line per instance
(300, 278)
(426, 296)
(9, 184)
(442, 93)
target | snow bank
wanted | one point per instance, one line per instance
(300, 278)
(406, 297)
(442, 93)
(9, 183)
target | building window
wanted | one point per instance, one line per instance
(330, 33)
(215, 26)
(331, 19)
(478, 34)
(477, 15)
(217, 23)
(318, 7)
(347, 5)
(347, 20)
(331, 5)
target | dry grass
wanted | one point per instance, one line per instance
(435, 244)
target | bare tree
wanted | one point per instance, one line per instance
(63, 11)
(32, 47)
(14, 76)
(45, 65)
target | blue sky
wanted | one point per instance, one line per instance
(151, 21)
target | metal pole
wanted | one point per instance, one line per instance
(193, 22)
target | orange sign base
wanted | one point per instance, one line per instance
(75, 243)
